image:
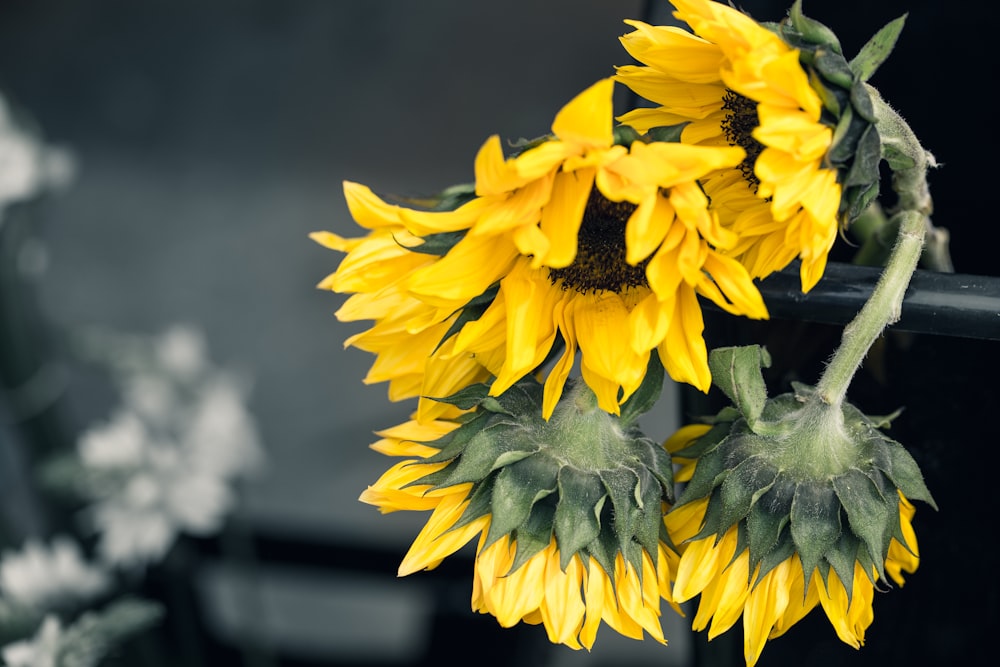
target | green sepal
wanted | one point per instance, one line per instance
(479, 503)
(649, 497)
(448, 199)
(861, 100)
(828, 96)
(516, 489)
(488, 450)
(623, 489)
(470, 312)
(712, 524)
(768, 517)
(842, 558)
(657, 460)
(577, 520)
(812, 30)
(877, 49)
(605, 546)
(868, 512)
(737, 372)
(867, 156)
(747, 482)
(815, 524)
(707, 442)
(533, 535)
(648, 393)
(466, 398)
(897, 159)
(667, 133)
(710, 471)
(451, 445)
(784, 550)
(833, 67)
(438, 244)
(624, 135)
(901, 468)
(884, 421)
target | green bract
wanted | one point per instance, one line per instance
(856, 149)
(590, 479)
(798, 475)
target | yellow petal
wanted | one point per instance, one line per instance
(562, 216)
(587, 119)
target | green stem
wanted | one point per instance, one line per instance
(909, 162)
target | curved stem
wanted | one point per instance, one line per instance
(909, 162)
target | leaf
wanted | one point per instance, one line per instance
(878, 48)
(737, 372)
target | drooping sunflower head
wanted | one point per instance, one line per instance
(589, 239)
(789, 503)
(789, 98)
(569, 511)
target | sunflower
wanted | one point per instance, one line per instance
(587, 239)
(789, 503)
(562, 541)
(718, 569)
(773, 92)
(407, 334)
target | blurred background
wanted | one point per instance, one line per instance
(193, 146)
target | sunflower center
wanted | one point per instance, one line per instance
(600, 254)
(738, 125)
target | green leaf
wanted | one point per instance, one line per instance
(867, 156)
(834, 68)
(878, 48)
(737, 372)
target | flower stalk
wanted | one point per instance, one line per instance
(909, 163)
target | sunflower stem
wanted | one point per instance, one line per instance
(909, 163)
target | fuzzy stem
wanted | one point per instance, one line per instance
(909, 162)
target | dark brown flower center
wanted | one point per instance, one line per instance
(600, 254)
(738, 125)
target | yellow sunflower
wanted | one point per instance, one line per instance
(788, 503)
(736, 82)
(562, 542)
(407, 334)
(582, 240)
(718, 569)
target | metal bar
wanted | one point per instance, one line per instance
(947, 304)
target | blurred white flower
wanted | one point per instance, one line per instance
(181, 352)
(39, 651)
(45, 578)
(27, 166)
(167, 460)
